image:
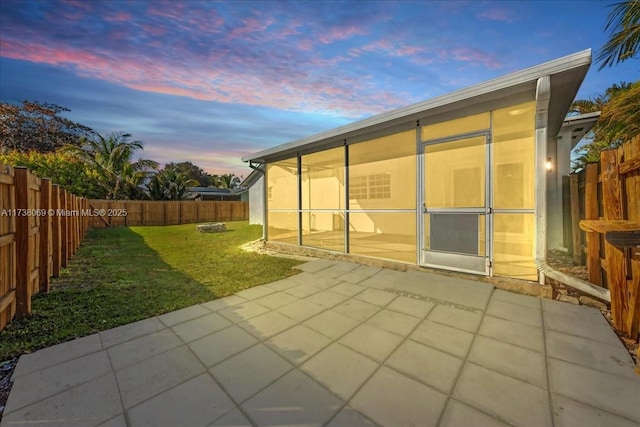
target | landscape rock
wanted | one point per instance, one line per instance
(591, 302)
(212, 227)
(567, 298)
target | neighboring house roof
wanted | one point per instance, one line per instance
(253, 177)
(211, 190)
(566, 75)
(579, 125)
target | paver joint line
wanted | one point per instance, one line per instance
(433, 300)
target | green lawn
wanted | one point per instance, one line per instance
(121, 275)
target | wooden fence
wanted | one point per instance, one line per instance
(605, 203)
(113, 213)
(40, 229)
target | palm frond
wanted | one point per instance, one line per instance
(624, 41)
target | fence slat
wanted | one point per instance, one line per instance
(23, 272)
(592, 212)
(612, 210)
(56, 251)
(45, 235)
(575, 218)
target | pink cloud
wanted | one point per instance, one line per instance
(118, 17)
(340, 33)
(247, 85)
(473, 56)
(495, 14)
(305, 44)
(387, 47)
(250, 25)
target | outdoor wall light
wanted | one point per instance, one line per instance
(548, 165)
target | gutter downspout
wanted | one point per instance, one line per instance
(543, 96)
(264, 198)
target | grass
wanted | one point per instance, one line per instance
(121, 275)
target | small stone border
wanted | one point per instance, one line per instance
(212, 227)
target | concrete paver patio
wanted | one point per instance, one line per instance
(340, 344)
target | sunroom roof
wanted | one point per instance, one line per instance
(566, 75)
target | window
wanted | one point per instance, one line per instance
(358, 188)
(376, 186)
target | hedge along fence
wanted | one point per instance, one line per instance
(113, 213)
(41, 227)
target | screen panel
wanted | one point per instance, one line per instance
(514, 157)
(323, 179)
(282, 184)
(382, 172)
(455, 174)
(387, 235)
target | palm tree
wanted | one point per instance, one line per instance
(154, 188)
(582, 106)
(112, 159)
(169, 184)
(621, 116)
(619, 120)
(624, 41)
(176, 184)
(228, 180)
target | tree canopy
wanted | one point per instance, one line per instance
(38, 126)
(619, 120)
(111, 157)
(624, 41)
(192, 172)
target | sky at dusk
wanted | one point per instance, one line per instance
(209, 82)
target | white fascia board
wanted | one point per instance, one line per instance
(569, 120)
(523, 77)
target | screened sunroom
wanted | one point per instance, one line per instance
(458, 182)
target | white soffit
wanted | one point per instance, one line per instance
(576, 127)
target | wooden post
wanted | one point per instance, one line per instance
(23, 273)
(76, 223)
(68, 219)
(575, 219)
(55, 232)
(45, 235)
(591, 211)
(64, 254)
(612, 210)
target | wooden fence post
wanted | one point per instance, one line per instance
(76, 223)
(23, 273)
(591, 211)
(64, 253)
(69, 220)
(55, 232)
(612, 210)
(575, 219)
(45, 235)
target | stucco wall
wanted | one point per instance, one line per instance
(256, 202)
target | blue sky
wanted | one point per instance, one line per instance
(209, 82)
